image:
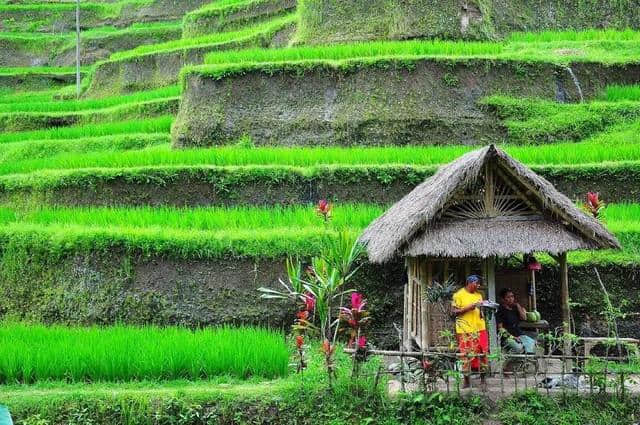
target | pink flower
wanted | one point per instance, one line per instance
(362, 342)
(299, 341)
(309, 301)
(357, 302)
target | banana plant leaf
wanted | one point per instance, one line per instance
(5, 417)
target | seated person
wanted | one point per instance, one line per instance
(508, 318)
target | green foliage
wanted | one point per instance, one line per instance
(532, 408)
(33, 353)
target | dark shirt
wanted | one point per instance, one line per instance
(510, 320)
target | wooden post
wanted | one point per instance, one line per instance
(408, 304)
(426, 309)
(564, 294)
(491, 295)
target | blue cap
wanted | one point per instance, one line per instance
(473, 278)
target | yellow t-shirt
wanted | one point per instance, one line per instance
(471, 321)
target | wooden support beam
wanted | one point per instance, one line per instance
(405, 316)
(564, 295)
(427, 269)
(490, 265)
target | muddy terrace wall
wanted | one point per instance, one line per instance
(161, 69)
(201, 186)
(105, 287)
(423, 102)
(326, 21)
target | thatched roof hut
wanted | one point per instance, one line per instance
(431, 220)
(483, 205)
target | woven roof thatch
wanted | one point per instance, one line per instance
(412, 227)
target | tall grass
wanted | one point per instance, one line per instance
(152, 125)
(25, 104)
(33, 353)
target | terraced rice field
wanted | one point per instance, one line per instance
(97, 180)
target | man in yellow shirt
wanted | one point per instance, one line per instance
(471, 329)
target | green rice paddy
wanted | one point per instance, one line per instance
(33, 353)
(153, 125)
(621, 143)
(241, 232)
(24, 104)
(606, 47)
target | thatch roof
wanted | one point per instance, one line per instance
(413, 226)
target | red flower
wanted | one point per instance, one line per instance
(593, 199)
(426, 364)
(309, 301)
(357, 302)
(594, 205)
(299, 341)
(324, 209)
(303, 315)
(362, 342)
